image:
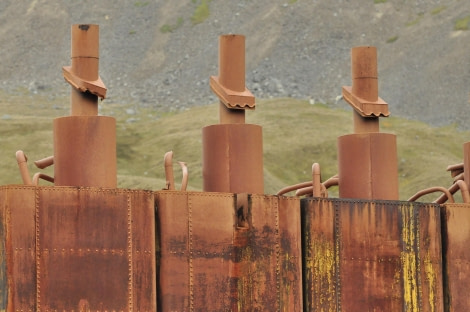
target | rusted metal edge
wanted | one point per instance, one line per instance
(366, 108)
(95, 87)
(232, 99)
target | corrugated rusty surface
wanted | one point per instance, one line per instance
(456, 238)
(208, 263)
(85, 247)
(371, 256)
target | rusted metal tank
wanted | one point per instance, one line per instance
(85, 245)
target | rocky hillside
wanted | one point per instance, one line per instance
(160, 54)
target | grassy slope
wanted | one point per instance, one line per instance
(295, 135)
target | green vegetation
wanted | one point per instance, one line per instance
(392, 39)
(171, 28)
(141, 4)
(295, 134)
(438, 10)
(415, 21)
(201, 13)
(462, 23)
(379, 1)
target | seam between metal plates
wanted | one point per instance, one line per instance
(38, 255)
(418, 257)
(337, 238)
(129, 253)
(190, 254)
(278, 253)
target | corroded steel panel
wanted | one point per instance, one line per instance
(210, 261)
(371, 256)
(17, 205)
(456, 235)
(80, 248)
(319, 256)
(194, 250)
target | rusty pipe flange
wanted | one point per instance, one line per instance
(83, 75)
(229, 86)
(363, 94)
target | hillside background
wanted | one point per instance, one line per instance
(156, 58)
(160, 54)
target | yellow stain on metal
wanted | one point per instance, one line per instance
(323, 267)
(431, 281)
(408, 259)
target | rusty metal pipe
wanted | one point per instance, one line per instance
(464, 190)
(430, 190)
(316, 180)
(333, 181)
(43, 176)
(85, 65)
(443, 198)
(460, 176)
(466, 163)
(459, 184)
(294, 187)
(84, 143)
(367, 159)
(324, 187)
(22, 161)
(170, 179)
(45, 162)
(229, 85)
(232, 73)
(365, 85)
(364, 73)
(308, 191)
(456, 170)
(232, 150)
(184, 181)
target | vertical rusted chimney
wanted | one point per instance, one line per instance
(232, 150)
(367, 159)
(85, 143)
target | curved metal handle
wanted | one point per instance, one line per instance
(294, 187)
(170, 179)
(22, 161)
(43, 176)
(430, 190)
(184, 181)
(45, 162)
